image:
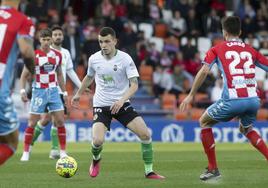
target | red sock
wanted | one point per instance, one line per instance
(28, 137)
(5, 153)
(209, 147)
(258, 142)
(62, 137)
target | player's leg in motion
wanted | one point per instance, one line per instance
(58, 119)
(40, 126)
(28, 136)
(138, 126)
(98, 135)
(54, 152)
(255, 139)
(208, 142)
(8, 145)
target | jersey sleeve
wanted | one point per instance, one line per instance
(90, 70)
(211, 57)
(69, 63)
(131, 69)
(261, 61)
(27, 28)
(60, 58)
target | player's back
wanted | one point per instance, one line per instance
(235, 60)
(12, 24)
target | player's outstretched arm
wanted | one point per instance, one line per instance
(130, 92)
(198, 81)
(84, 85)
(25, 76)
(27, 52)
(73, 76)
(261, 62)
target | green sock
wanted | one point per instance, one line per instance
(37, 131)
(54, 138)
(96, 151)
(147, 156)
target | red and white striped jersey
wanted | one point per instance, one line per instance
(45, 68)
(13, 25)
(237, 61)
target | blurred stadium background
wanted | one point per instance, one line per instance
(167, 39)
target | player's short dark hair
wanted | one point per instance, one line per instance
(232, 25)
(45, 33)
(56, 27)
(107, 31)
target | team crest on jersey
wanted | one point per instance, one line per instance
(48, 67)
(115, 67)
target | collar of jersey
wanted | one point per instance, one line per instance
(113, 56)
(235, 39)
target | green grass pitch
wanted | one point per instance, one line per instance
(121, 167)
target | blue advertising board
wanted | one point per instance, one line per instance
(162, 130)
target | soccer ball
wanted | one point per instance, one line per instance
(66, 167)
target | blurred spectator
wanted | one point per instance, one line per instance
(72, 42)
(264, 47)
(106, 8)
(212, 24)
(90, 46)
(153, 55)
(261, 26)
(246, 9)
(23, 5)
(135, 10)
(188, 50)
(128, 39)
(70, 17)
(194, 64)
(162, 81)
(171, 44)
(154, 10)
(181, 81)
(248, 27)
(37, 9)
(142, 54)
(178, 60)
(165, 60)
(121, 10)
(178, 25)
(193, 24)
(114, 22)
(182, 6)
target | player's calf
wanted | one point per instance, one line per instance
(5, 153)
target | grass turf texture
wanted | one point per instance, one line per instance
(121, 167)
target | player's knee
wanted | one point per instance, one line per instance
(145, 135)
(245, 130)
(203, 123)
(44, 121)
(59, 123)
(97, 141)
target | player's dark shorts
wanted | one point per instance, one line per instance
(125, 115)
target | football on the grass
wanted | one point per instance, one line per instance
(66, 167)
